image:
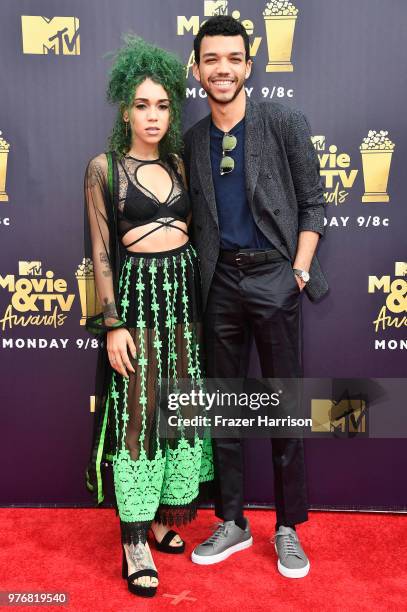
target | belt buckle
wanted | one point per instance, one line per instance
(239, 258)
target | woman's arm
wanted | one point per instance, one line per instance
(119, 341)
(95, 195)
(181, 172)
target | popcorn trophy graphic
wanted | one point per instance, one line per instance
(280, 17)
(4, 149)
(400, 268)
(90, 304)
(376, 150)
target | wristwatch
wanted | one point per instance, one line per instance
(304, 276)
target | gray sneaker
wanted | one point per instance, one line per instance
(227, 539)
(292, 560)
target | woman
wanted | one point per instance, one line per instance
(147, 281)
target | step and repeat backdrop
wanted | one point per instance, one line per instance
(338, 61)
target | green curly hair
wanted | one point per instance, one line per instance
(134, 62)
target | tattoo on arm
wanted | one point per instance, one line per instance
(109, 310)
(95, 173)
(107, 270)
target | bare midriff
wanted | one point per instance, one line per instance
(163, 239)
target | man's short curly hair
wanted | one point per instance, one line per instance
(134, 62)
(221, 25)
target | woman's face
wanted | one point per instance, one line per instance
(149, 115)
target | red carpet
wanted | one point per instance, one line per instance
(358, 562)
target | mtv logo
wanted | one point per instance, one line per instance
(345, 417)
(215, 7)
(29, 268)
(400, 268)
(318, 142)
(50, 35)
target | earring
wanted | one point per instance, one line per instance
(126, 122)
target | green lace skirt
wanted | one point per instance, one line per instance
(157, 478)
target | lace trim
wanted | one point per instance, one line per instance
(131, 166)
(134, 532)
(172, 479)
(168, 515)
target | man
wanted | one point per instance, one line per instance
(258, 212)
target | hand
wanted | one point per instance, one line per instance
(119, 342)
(300, 282)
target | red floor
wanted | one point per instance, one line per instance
(358, 562)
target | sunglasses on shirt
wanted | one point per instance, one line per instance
(227, 163)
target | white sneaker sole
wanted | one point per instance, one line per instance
(211, 559)
(292, 573)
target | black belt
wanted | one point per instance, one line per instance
(246, 257)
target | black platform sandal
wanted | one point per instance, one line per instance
(164, 545)
(138, 589)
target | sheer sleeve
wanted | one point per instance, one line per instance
(180, 169)
(102, 312)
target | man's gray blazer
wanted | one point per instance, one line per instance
(283, 184)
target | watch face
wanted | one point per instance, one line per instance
(303, 275)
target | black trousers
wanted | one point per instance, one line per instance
(260, 300)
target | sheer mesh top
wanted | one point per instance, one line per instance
(138, 206)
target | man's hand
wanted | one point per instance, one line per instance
(119, 342)
(307, 244)
(300, 282)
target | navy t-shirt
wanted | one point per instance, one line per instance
(237, 227)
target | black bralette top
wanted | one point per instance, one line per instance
(138, 206)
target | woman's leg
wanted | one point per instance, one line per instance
(137, 476)
(139, 461)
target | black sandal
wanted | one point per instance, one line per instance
(138, 589)
(164, 545)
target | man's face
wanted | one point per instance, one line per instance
(222, 69)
